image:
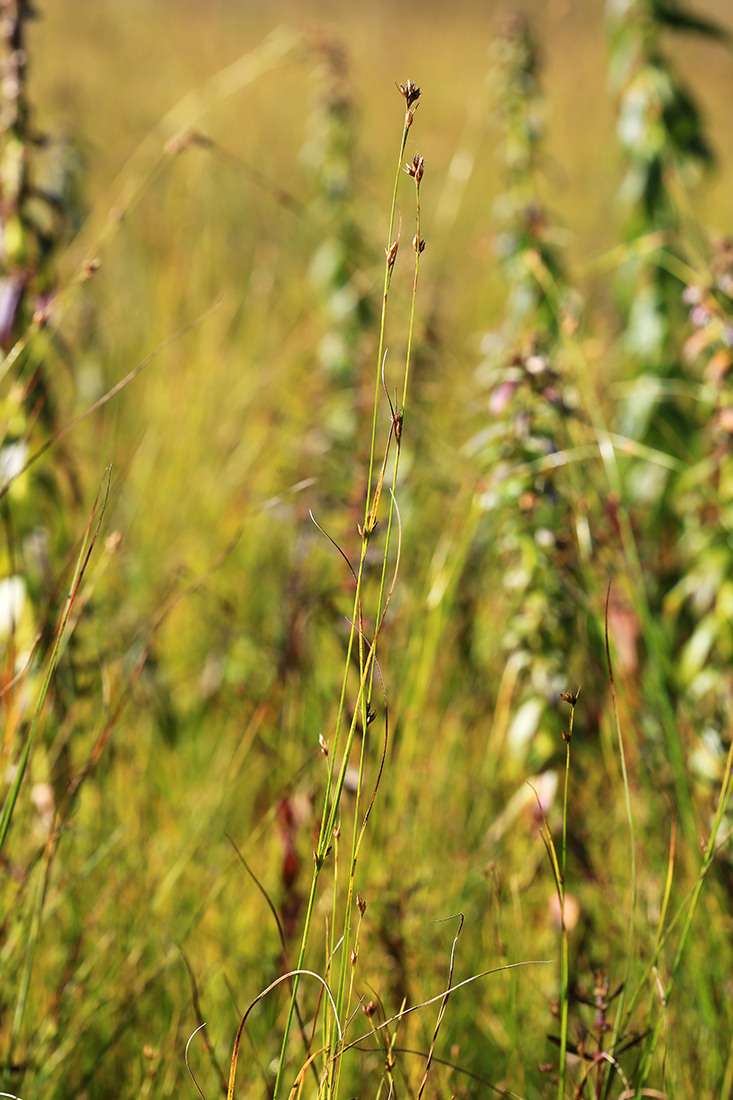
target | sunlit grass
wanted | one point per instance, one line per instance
(219, 450)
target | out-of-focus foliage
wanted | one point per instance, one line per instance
(531, 520)
(568, 423)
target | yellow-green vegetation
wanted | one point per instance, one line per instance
(366, 568)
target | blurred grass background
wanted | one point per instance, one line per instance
(238, 425)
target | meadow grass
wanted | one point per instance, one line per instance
(208, 644)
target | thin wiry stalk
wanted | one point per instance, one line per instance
(564, 962)
(441, 1062)
(391, 254)
(443, 1006)
(558, 870)
(188, 1064)
(398, 414)
(333, 948)
(369, 523)
(357, 837)
(387, 1048)
(632, 853)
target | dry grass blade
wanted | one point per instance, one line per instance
(302, 1071)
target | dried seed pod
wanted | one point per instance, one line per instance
(416, 168)
(410, 91)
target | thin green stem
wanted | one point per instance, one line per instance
(334, 790)
(564, 962)
(398, 414)
(632, 845)
(710, 854)
(391, 253)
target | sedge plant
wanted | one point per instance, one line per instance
(363, 714)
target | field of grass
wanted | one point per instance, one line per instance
(195, 708)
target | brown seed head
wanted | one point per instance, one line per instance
(410, 91)
(416, 168)
(568, 697)
(361, 904)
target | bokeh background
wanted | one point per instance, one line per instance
(209, 647)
